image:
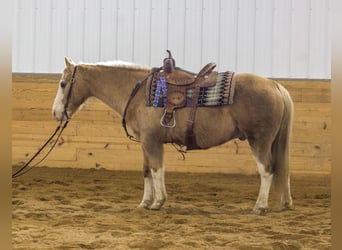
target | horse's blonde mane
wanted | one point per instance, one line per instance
(117, 63)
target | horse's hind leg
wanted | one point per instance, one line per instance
(286, 198)
(154, 186)
(262, 156)
(270, 170)
(266, 177)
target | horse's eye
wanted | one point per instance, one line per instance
(63, 84)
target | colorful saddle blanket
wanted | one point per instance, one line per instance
(222, 93)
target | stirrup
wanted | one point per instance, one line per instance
(166, 125)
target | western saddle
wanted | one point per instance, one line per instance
(178, 82)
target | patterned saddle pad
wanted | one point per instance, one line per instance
(222, 93)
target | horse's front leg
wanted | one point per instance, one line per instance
(159, 188)
(148, 197)
(154, 186)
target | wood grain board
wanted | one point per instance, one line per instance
(95, 138)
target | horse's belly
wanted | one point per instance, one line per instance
(212, 126)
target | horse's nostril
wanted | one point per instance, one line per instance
(54, 113)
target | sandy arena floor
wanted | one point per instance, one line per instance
(96, 209)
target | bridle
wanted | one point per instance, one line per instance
(72, 81)
(60, 128)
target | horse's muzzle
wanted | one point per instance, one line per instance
(59, 116)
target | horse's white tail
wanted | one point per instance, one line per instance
(281, 145)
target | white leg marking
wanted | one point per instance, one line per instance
(266, 181)
(148, 197)
(159, 188)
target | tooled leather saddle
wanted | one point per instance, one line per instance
(172, 88)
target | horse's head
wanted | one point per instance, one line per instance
(68, 97)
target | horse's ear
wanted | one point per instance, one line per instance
(68, 62)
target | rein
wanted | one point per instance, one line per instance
(60, 128)
(21, 171)
(25, 168)
(132, 95)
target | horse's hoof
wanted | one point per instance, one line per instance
(260, 210)
(145, 205)
(157, 205)
(286, 206)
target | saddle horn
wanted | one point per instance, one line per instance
(169, 63)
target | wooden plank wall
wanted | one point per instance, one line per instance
(95, 139)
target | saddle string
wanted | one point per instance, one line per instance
(179, 149)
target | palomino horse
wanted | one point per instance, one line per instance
(261, 113)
